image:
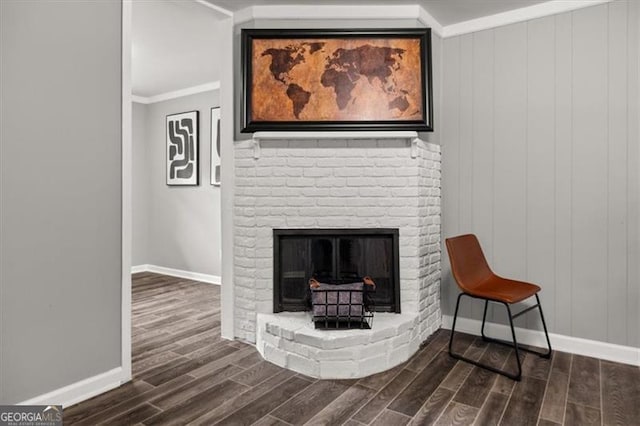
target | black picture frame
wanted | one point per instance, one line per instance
(192, 147)
(214, 138)
(250, 125)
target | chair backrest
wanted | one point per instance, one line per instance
(468, 264)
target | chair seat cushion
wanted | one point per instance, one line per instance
(503, 290)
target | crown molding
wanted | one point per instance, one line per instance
(518, 15)
(338, 12)
(431, 22)
(341, 12)
(207, 87)
(218, 9)
(243, 15)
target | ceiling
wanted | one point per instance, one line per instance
(174, 46)
(446, 12)
(175, 42)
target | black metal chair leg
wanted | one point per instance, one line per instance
(546, 354)
(453, 326)
(476, 363)
(546, 333)
(514, 344)
(484, 318)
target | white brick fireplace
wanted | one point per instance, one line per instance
(336, 183)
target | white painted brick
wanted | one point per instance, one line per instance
(299, 184)
(306, 338)
(293, 183)
(378, 171)
(345, 341)
(303, 365)
(275, 355)
(406, 171)
(336, 354)
(370, 212)
(338, 369)
(300, 222)
(317, 192)
(375, 192)
(347, 172)
(301, 162)
(331, 182)
(299, 349)
(358, 181)
(401, 339)
(371, 349)
(401, 353)
(373, 365)
(317, 172)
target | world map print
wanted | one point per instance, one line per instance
(336, 79)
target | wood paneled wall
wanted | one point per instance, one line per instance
(540, 160)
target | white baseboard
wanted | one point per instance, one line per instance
(80, 391)
(574, 345)
(196, 276)
(139, 268)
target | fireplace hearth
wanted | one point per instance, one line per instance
(338, 257)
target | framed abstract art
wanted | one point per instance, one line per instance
(182, 149)
(215, 146)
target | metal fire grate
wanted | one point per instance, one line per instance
(341, 306)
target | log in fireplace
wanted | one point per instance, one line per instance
(334, 256)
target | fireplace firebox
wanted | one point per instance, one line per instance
(335, 256)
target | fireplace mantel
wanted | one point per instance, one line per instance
(397, 134)
(410, 136)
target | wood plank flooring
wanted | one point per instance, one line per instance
(184, 373)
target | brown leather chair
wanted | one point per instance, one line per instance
(476, 280)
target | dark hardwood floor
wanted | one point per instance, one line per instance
(184, 373)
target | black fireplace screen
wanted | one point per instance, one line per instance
(336, 256)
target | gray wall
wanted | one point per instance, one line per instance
(174, 227)
(140, 186)
(540, 160)
(60, 212)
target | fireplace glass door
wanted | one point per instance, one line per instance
(335, 256)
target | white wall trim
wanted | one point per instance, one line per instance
(431, 22)
(338, 12)
(196, 276)
(214, 7)
(227, 137)
(207, 87)
(243, 15)
(127, 200)
(80, 391)
(574, 345)
(517, 15)
(139, 268)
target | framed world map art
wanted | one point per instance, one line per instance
(314, 80)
